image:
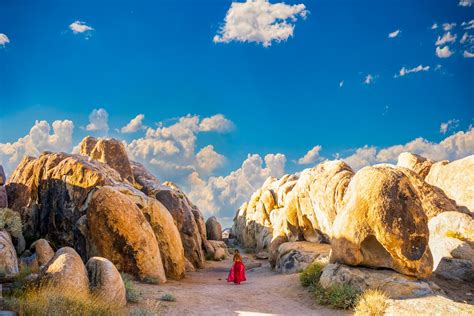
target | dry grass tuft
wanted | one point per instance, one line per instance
(371, 303)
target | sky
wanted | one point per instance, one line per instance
(217, 95)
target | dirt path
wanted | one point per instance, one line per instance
(206, 292)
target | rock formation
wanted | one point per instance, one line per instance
(295, 256)
(420, 165)
(213, 229)
(102, 204)
(8, 258)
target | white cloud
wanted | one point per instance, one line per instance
(394, 34)
(369, 79)
(434, 26)
(208, 160)
(79, 27)
(4, 39)
(311, 156)
(38, 140)
(444, 52)
(98, 121)
(452, 147)
(227, 193)
(341, 83)
(449, 125)
(216, 123)
(465, 3)
(404, 71)
(448, 26)
(447, 38)
(468, 25)
(467, 54)
(134, 125)
(259, 21)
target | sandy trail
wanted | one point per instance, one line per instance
(206, 292)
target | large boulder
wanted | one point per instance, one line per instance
(119, 231)
(105, 281)
(213, 229)
(8, 259)
(416, 163)
(108, 151)
(382, 224)
(3, 178)
(456, 179)
(216, 250)
(66, 271)
(43, 251)
(3, 197)
(395, 285)
(452, 223)
(294, 257)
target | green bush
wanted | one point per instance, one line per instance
(342, 296)
(133, 295)
(168, 297)
(311, 275)
(371, 303)
(11, 222)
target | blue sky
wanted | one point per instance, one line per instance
(158, 58)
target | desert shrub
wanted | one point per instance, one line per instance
(50, 300)
(151, 280)
(133, 295)
(342, 296)
(454, 234)
(371, 303)
(150, 308)
(311, 274)
(11, 222)
(168, 297)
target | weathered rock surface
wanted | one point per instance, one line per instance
(416, 163)
(105, 281)
(3, 197)
(213, 229)
(120, 232)
(429, 305)
(43, 251)
(294, 257)
(456, 179)
(110, 152)
(217, 250)
(395, 285)
(3, 178)
(66, 271)
(382, 224)
(8, 259)
(449, 223)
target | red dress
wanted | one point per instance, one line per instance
(237, 273)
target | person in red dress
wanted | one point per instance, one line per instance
(237, 272)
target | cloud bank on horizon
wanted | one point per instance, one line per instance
(172, 154)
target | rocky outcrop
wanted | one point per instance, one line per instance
(420, 165)
(213, 229)
(119, 231)
(8, 258)
(3, 178)
(43, 252)
(382, 224)
(66, 271)
(110, 152)
(395, 285)
(456, 179)
(3, 197)
(105, 281)
(216, 250)
(294, 257)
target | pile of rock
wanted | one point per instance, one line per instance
(384, 216)
(101, 204)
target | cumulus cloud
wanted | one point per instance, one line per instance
(448, 26)
(394, 34)
(217, 123)
(465, 3)
(449, 125)
(98, 120)
(311, 156)
(260, 21)
(369, 79)
(208, 160)
(227, 193)
(79, 27)
(39, 139)
(468, 25)
(447, 38)
(444, 52)
(453, 147)
(467, 54)
(4, 39)
(135, 124)
(404, 71)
